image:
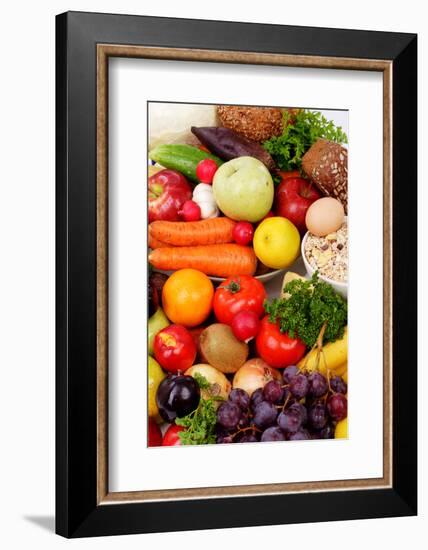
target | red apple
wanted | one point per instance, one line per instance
(168, 191)
(293, 197)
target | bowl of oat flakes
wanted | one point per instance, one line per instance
(329, 256)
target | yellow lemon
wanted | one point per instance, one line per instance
(276, 242)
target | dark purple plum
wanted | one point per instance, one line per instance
(177, 396)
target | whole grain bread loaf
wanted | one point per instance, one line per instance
(326, 164)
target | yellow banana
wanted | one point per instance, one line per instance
(341, 431)
(334, 357)
(341, 370)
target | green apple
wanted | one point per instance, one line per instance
(243, 189)
(155, 375)
(276, 242)
(157, 322)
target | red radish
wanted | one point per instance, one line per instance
(171, 437)
(205, 170)
(243, 233)
(191, 211)
(154, 434)
(245, 325)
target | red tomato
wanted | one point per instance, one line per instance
(154, 434)
(171, 437)
(205, 170)
(276, 347)
(174, 348)
(237, 294)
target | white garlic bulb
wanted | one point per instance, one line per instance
(204, 197)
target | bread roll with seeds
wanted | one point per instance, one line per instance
(254, 123)
(326, 164)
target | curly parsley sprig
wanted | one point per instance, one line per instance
(301, 131)
(200, 423)
(311, 305)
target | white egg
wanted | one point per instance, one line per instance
(324, 216)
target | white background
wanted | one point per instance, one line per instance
(27, 274)
(358, 457)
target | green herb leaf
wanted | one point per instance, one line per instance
(288, 149)
(202, 381)
(310, 304)
(199, 424)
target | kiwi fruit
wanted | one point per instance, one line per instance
(220, 349)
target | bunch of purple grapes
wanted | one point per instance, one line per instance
(303, 406)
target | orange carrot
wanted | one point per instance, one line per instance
(213, 231)
(154, 243)
(220, 260)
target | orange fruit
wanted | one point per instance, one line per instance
(187, 297)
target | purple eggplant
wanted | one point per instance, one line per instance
(228, 145)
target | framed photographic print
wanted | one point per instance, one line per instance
(236, 274)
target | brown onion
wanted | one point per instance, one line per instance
(254, 374)
(220, 385)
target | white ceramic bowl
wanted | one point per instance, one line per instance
(262, 278)
(341, 288)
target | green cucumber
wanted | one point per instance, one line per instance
(183, 158)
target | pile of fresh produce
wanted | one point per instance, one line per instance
(231, 361)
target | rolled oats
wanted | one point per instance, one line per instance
(329, 254)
